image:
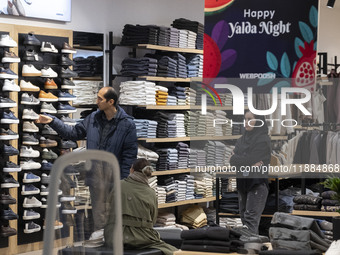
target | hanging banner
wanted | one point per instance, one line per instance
(261, 43)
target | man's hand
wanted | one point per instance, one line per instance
(44, 119)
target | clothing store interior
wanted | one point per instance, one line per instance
(169, 127)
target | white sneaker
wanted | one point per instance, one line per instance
(29, 126)
(48, 47)
(30, 71)
(28, 86)
(29, 99)
(334, 249)
(29, 114)
(48, 108)
(29, 165)
(30, 202)
(10, 85)
(28, 152)
(7, 41)
(48, 72)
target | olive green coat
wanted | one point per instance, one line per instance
(139, 210)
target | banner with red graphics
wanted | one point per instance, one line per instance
(261, 43)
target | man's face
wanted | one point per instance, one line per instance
(101, 101)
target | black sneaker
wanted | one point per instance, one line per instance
(66, 61)
(7, 134)
(9, 182)
(67, 73)
(31, 40)
(67, 208)
(7, 199)
(11, 167)
(7, 103)
(6, 231)
(8, 214)
(67, 84)
(9, 150)
(68, 144)
(31, 55)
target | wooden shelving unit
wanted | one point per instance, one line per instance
(165, 48)
(315, 213)
(92, 48)
(187, 202)
(167, 172)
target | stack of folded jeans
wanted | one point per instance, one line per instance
(194, 217)
(145, 128)
(200, 68)
(191, 122)
(190, 96)
(174, 37)
(202, 125)
(183, 38)
(221, 153)
(199, 95)
(327, 228)
(199, 189)
(178, 118)
(179, 93)
(87, 39)
(220, 118)
(89, 66)
(203, 185)
(210, 129)
(164, 36)
(328, 203)
(170, 187)
(182, 190)
(192, 36)
(296, 233)
(146, 93)
(182, 71)
(166, 219)
(227, 99)
(168, 159)
(201, 158)
(192, 162)
(229, 202)
(171, 100)
(150, 155)
(163, 120)
(194, 62)
(137, 34)
(210, 151)
(139, 67)
(161, 195)
(183, 155)
(153, 183)
(230, 222)
(229, 151)
(166, 66)
(193, 26)
(86, 92)
(307, 202)
(190, 185)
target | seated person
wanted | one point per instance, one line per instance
(139, 211)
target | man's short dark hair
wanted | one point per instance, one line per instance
(111, 94)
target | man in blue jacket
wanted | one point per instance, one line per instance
(110, 129)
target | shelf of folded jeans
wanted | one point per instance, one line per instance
(187, 202)
(168, 79)
(233, 214)
(166, 48)
(315, 213)
(91, 78)
(167, 172)
(92, 48)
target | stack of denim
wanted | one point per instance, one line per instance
(152, 181)
(190, 185)
(179, 93)
(220, 122)
(210, 129)
(171, 100)
(145, 128)
(210, 151)
(191, 122)
(229, 202)
(328, 203)
(167, 127)
(139, 67)
(166, 66)
(164, 36)
(137, 34)
(150, 155)
(182, 190)
(190, 96)
(221, 153)
(192, 36)
(161, 195)
(182, 71)
(199, 94)
(179, 122)
(183, 38)
(168, 159)
(170, 187)
(146, 93)
(201, 125)
(200, 188)
(89, 66)
(200, 69)
(183, 155)
(193, 26)
(227, 99)
(194, 63)
(201, 158)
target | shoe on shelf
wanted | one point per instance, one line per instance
(47, 97)
(45, 179)
(30, 215)
(8, 118)
(7, 41)
(66, 61)
(68, 49)
(28, 86)
(46, 166)
(47, 143)
(31, 227)
(6, 102)
(28, 139)
(49, 154)
(11, 167)
(30, 202)
(8, 134)
(67, 84)
(29, 70)
(47, 108)
(7, 199)
(68, 144)
(28, 152)
(6, 73)
(8, 181)
(29, 126)
(67, 73)
(66, 108)
(48, 72)
(8, 214)
(67, 208)
(30, 178)
(29, 114)
(67, 120)
(32, 56)
(48, 47)
(10, 85)
(47, 130)
(9, 150)
(10, 57)
(6, 231)
(29, 99)
(29, 164)
(65, 96)
(29, 189)
(30, 39)
(50, 84)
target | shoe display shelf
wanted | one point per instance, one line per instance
(8, 136)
